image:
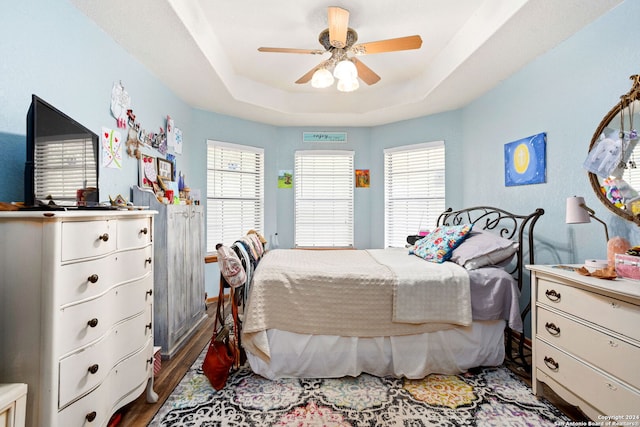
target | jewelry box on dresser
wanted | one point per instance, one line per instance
(586, 342)
(76, 312)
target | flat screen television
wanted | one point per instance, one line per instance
(62, 159)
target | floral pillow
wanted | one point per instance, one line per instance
(439, 244)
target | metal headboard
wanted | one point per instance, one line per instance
(509, 226)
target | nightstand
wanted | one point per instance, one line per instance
(13, 405)
(586, 341)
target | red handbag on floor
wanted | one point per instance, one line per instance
(221, 353)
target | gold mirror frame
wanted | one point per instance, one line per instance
(625, 101)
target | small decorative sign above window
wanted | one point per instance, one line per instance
(337, 137)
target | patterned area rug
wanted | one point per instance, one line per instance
(486, 397)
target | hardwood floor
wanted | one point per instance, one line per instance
(139, 413)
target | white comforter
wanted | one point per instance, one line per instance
(352, 293)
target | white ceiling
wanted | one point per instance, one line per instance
(206, 52)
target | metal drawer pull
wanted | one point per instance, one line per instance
(91, 416)
(93, 322)
(552, 295)
(104, 237)
(613, 344)
(149, 292)
(552, 329)
(612, 387)
(93, 368)
(144, 230)
(148, 260)
(150, 361)
(551, 364)
(93, 278)
(147, 326)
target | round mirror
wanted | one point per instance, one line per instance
(613, 161)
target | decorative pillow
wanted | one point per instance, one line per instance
(439, 244)
(482, 248)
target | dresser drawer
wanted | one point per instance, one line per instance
(619, 316)
(85, 369)
(85, 239)
(602, 391)
(90, 320)
(604, 351)
(82, 280)
(122, 385)
(133, 233)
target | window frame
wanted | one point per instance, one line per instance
(305, 237)
(213, 193)
(421, 212)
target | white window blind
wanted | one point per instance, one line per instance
(323, 181)
(414, 192)
(64, 166)
(235, 192)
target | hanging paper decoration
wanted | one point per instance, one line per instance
(171, 135)
(177, 148)
(111, 143)
(120, 104)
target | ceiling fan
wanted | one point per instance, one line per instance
(339, 40)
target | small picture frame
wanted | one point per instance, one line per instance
(165, 169)
(148, 171)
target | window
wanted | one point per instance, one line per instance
(414, 192)
(235, 192)
(323, 182)
(63, 166)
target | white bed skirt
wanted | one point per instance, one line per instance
(412, 356)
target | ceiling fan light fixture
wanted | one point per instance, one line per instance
(322, 78)
(345, 70)
(348, 85)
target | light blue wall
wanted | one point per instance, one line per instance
(51, 49)
(564, 93)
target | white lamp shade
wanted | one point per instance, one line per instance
(576, 213)
(345, 70)
(322, 78)
(348, 85)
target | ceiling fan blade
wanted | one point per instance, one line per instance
(338, 24)
(291, 50)
(390, 45)
(365, 73)
(307, 77)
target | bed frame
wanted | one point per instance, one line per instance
(509, 226)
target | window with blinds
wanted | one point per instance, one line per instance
(64, 166)
(414, 192)
(235, 192)
(323, 181)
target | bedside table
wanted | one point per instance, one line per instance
(13, 405)
(586, 341)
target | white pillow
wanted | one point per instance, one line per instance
(482, 248)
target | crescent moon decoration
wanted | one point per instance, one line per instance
(525, 161)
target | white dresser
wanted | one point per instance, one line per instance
(76, 312)
(587, 341)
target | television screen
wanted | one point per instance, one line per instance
(62, 159)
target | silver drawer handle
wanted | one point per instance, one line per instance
(551, 364)
(552, 329)
(552, 295)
